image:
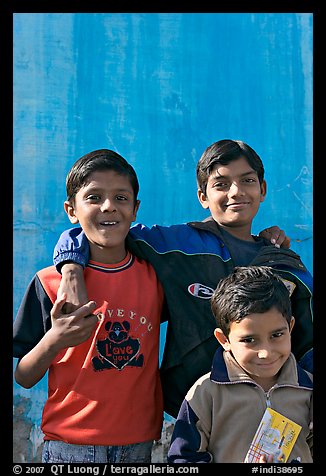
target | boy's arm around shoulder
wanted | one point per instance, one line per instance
(70, 256)
(72, 246)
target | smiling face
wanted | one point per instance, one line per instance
(105, 208)
(233, 196)
(260, 343)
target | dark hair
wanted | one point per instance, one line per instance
(102, 159)
(249, 290)
(222, 153)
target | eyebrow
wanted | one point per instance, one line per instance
(219, 176)
(284, 328)
(93, 187)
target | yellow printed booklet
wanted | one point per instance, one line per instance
(275, 435)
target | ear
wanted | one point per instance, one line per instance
(223, 340)
(126, 325)
(202, 199)
(292, 323)
(263, 190)
(136, 210)
(69, 209)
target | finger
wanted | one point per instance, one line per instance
(58, 305)
(287, 242)
(276, 236)
(282, 240)
(272, 234)
(69, 308)
(86, 310)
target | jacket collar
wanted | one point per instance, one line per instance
(268, 255)
(225, 369)
(209, 224)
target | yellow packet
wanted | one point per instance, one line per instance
(276, 435)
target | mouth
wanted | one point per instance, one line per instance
(108, 223)
(236, 206)
(267, 364)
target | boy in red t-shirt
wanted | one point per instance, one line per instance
(104, 393)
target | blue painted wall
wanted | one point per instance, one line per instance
(158, 89)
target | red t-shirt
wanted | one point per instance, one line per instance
(107, 390)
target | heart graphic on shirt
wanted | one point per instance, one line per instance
(118, 355)
(118, 349)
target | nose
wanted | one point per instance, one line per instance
(263, 353)
(107, 205)
(235, 189)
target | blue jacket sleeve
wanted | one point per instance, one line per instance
(185, 441)
(307, 361)
(72, 246)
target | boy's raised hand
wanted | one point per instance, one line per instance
(68, 330)
(73, 328)
(276, 236)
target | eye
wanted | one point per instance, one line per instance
(250, 180)
(277, 334)
(93, 197)
(121, 198)
(220, 185)
(248, 340)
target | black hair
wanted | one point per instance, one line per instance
(102, 159)
(223, 152)
(249, 290)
